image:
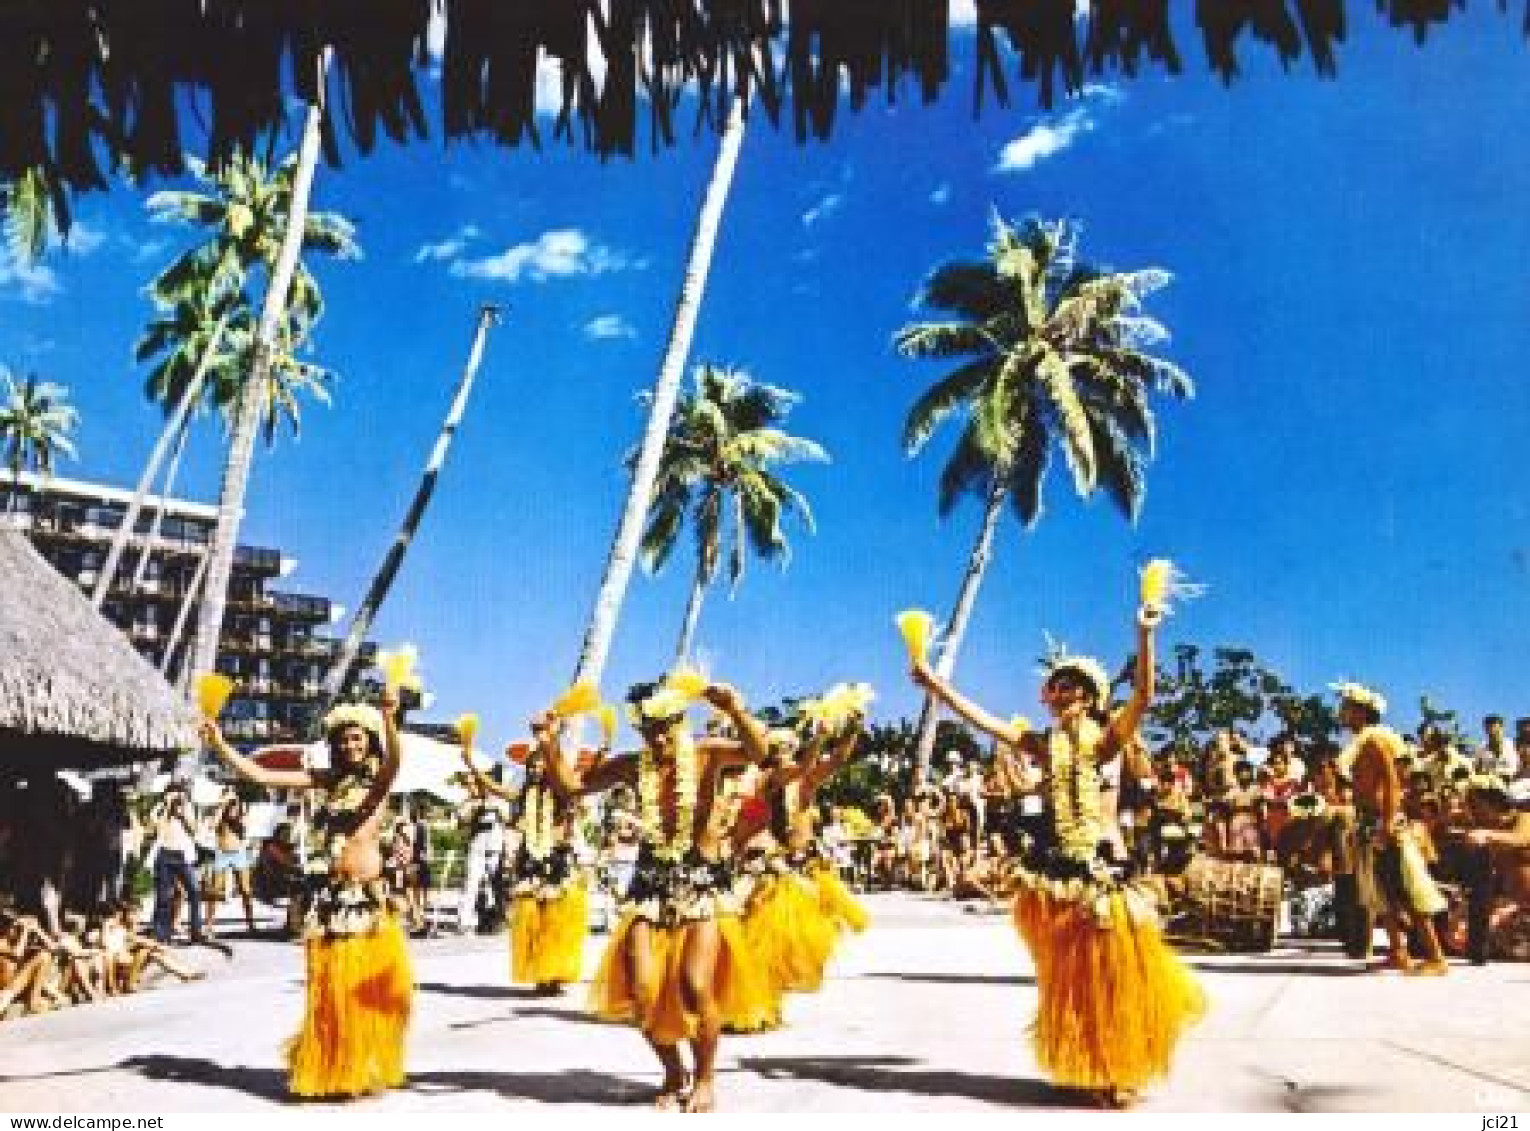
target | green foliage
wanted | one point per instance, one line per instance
(36, 421)
(1237, 692)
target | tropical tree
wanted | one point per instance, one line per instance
(1053, 355)
(340, 671)
(716, 468)
(36, 420)
(35, 207)
(661, 405)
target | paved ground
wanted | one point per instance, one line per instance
(925, 1012)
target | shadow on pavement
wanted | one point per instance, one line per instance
(1306, 969)
(574, 1086)
(266, 1083)
(578, 1016)
(957, 979)
(497, 993)
(887, 1074)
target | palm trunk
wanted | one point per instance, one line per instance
(629, 531)
(692, 616)
(159, 511)
(188, 602)
(966, 598)
(341, 670)
(236, 472)
(173, 428)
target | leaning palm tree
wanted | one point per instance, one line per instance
(36, 420)
(661, 406)
(35, 208)
(341, 671)
(285, 218)
(1054, 355)
(716, 469)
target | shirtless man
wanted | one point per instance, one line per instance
(1390, 874)
(678, 949)
(360, 985)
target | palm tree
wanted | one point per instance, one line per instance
(1054, 355)
(716, 467)
(340, 671)
(35, 422)
(661, 406)
(35, 207)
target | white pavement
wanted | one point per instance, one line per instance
(925, 1012)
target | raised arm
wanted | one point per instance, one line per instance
(480, 785)
(753, 743)
(841, 752)
(248, 768)
(382, 785)
(1123, 727)
(567, 780)
(943, 693)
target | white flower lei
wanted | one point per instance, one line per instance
(537, 821)
(1075, 783)
(674, 847)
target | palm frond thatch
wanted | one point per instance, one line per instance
(72, 689)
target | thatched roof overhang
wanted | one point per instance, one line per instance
(91, 85)
(73, 692)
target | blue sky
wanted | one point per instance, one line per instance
(1348, 260)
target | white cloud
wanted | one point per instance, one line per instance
(1043, 140)
(560, 253)
(963, 13)
(822, 210)
(940, 194)
(32, 283)
(449, 248)
(609, 326)
(149, 249)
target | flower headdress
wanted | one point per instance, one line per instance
(650, 704)
(362, 715)
(1359, 694)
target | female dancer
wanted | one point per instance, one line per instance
(1114, 999)
(551, 907)
(360, 986)
(676, 964)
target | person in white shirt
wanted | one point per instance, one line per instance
(174, 827)
(486, 818)
(1496, 757)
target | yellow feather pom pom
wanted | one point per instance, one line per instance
(917, 627)
(580, 699)
(467, 729)
(1021, 724)
(1161, 582)
(606, 713)
(687, 680)
(213, 690)
(397, 666)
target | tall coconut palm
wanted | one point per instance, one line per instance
(1054, 355)
(661, 407)
(36, 420)
(716, 469)
(35, 207)
(341, 670)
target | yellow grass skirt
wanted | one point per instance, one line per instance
(1115, 998)
(789, 933)
(659, 1007)
(360, 989)
(547, 937)
(842, 908)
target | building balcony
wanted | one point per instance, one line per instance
(300, 606)
(259, 559)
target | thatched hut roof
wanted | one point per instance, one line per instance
(91, 84)
(73, 692)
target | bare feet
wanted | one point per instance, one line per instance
(701, 1098)
(671, 1095)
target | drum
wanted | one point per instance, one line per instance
(1229, 904)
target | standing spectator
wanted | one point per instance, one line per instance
(420, 876)
(399, 867)
(232, 860)
(1279, 787)
(1522, 748)
(956, 840)
(174, 830)
(486, 818)
(1497, 757)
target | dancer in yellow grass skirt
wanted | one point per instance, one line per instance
(550, 908)
(798, 908)
(360, 985)
(677, 964)
(1114, 998)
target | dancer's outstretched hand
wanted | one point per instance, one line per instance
(724, 697)
(922, 676)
